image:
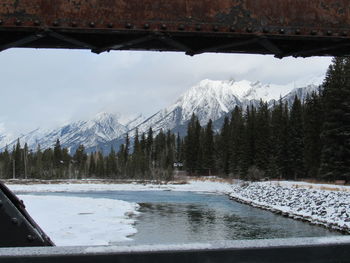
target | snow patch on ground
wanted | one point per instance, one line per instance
(193, 186)
(76, 221)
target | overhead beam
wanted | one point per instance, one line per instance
(123, 45)
(22, 41)
(192, 26)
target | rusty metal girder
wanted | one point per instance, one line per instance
(279, 27)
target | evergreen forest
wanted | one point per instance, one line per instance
(305, 140)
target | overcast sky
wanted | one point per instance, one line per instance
(47, 88)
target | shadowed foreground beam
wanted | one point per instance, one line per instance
(320, 250)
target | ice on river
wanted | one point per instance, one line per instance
(76, 221)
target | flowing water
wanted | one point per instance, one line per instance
(169, 217)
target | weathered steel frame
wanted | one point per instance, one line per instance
(309, 250)
(17, 228)
(279, 27)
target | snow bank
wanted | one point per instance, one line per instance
(75, 221)
(193, 186)
(324, 207)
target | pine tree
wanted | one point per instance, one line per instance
(313, 122)
(250, 139)
(17, 160)
(192, 145)
(224, 142)
(335, 161)
(208, 148)
(80, 158)
(263, 137)
(237, 145)
(57, 151)
(296, 125)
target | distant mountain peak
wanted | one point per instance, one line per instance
(209, 99)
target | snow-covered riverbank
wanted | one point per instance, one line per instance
(328, 205)
(310, 202)
(75, 221)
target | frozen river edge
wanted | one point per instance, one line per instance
(318, 204)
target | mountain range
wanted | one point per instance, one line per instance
(209, 99)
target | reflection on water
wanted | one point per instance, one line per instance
(211, 218)
(183, 217)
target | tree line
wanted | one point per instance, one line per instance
(151, 157)
(308, 139)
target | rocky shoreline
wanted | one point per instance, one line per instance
(322, 207)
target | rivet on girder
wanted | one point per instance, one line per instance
(297, 31)
(313, 32)
(146, 26)
(163, 26)
(36, 23)
(110, 25)
(92, 24)
(232, 29)
(128, 25)
(215, 28)
(30, 238)
(281, 31)
(181, 27)
(55, 23)
(14, 221)
(198, 27)
(18, 22)
(74, 24)
(249, 29)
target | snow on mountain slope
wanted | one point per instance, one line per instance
(209, 99)
(102, 128)
(212, 99)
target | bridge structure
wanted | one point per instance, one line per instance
(298, 28)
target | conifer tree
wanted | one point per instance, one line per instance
(263, 137)
(17, 160)
(313, 122)
(208, 148)
(57, 151)
(192, 145)
(296, 144)
(250, 139)
(237, 146)
(224, 142)
(335, 161)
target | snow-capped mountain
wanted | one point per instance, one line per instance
(212, 99)
(209, 99)
(100, 129)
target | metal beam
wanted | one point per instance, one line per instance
(287, 27)
(22, 41)
(308, 250)
(221, 48)
(123, 45)
(71, 40)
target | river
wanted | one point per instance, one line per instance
(170, 217)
